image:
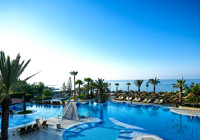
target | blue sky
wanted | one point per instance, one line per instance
(112, 39)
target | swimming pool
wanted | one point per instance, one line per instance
(42, 111)
(124, 121)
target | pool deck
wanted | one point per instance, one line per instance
(50, 133)
(177, 110)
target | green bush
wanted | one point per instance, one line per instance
(25, 112)
(20, 95)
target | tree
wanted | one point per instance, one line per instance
(196, 92)
(116, 84)
(74, 73)
(100, 85)
(79, 83)
(138, 83)
(88, 80)
(181, 85)
(93, 86)
(9, 77)
(24, 86)
(47, 92)
(105, 87)
(128, 84)
(154, 82)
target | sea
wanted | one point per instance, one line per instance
(165, 85)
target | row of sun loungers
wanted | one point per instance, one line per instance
(146, 100)
(31, 128)
(49, 102)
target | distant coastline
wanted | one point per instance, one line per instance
(164, 86)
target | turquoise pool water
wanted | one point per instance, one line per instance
(124, 121)
(43, 111)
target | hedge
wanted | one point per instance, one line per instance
(20, 95)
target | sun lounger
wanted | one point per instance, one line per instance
(156, 101)
(149, 100)
(21, 130)
(138, 100)
(129, 99)
(122, 98)
(134, 100)
(44, 124)
(161, 101)
(35, 127)
(144, 101)
(29, 128)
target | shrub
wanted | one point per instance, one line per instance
(25, 112)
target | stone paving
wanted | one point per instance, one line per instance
(50, 133)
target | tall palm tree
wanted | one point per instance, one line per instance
(116, 84)
(74, 73)
(181, 85)
(88, 80)
(128, 84)
(154, 82)
(138, 83)
(10, 71)
(147, 85)
(100, 86)
(93, 86)
(24, 86)
(79, 83)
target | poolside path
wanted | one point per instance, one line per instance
(50, 133)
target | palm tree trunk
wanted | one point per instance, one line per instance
(180, 95)
(24, 101)
(5, 117)
(88, 89)
(128, 88)
(74, 89)
(139, 89)
(79, 89)
(154, 88)
(101, 93)
(117, 89)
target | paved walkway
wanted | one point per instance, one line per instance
(50, 133)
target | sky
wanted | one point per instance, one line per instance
(110, 39)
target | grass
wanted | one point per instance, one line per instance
(25, 112)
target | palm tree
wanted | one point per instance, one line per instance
(88, 80)
(93, 86)
(24, 86)
(138, 83)
(79, 83)
(100, 86)
(9, 77)
(74, 73)
(147, 85)
(116, 84)
(154, 82)
(196, 92)
(181, 85)
(128, 84)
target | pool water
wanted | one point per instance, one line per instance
(42, 112)
(124, 121)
